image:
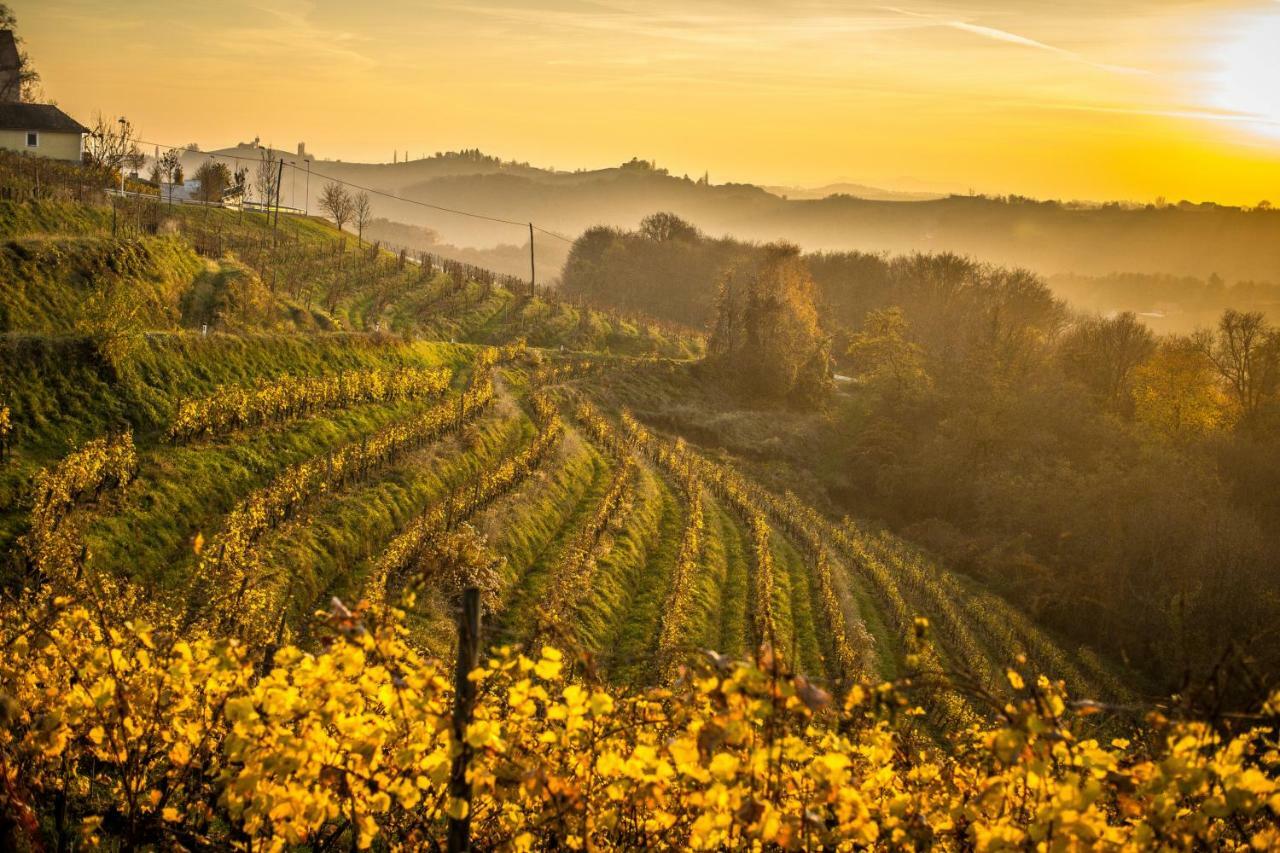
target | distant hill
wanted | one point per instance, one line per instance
(1046, 236)
(849, 189)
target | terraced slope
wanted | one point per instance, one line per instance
(246, 478)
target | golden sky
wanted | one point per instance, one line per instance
(1129, 99)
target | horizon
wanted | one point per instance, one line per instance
(1116, 102)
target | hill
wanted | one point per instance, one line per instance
(1048, 237)
(256, 475)
(849, 189)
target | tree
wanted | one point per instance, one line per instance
(766, 340)
(1245, 351)
(1103, 353)
(169, 170)
(1175, 393)
(665, 227)
(336, 201)
(27, 80)
(885, 358)
(361, 213)
(267, 177)
(241, 182)
(214, 179)
(111, 144)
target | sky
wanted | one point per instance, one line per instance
(1097, 99)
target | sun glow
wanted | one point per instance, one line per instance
(1245, 80)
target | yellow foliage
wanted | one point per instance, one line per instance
(166, 741)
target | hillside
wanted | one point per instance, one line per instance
(249, 471)
(153, 335)
(1049, 237)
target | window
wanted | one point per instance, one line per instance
(33, 139)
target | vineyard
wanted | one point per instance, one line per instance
(243, 489)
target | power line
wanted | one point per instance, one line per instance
(363, 188)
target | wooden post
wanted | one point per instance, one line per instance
(279, 181)
(533, 276)
(464, 698)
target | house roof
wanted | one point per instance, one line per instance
(44, 117)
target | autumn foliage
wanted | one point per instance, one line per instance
(118, 730)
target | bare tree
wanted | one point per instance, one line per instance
(169, 170)
(361, 213)
(1104, 353)
(1246, 353)
(111, 144)
(336, 201)
(267, 177)
(135, 160)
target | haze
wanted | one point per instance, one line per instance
(1125, 100)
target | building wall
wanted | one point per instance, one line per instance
(58, 146)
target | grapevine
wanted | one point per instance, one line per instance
(350, 745)
(52, 545)
(406, 549)
(229, 570)
(232, 408)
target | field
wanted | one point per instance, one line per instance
(248, 473)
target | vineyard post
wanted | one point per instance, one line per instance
(275, 225)
(464, 697)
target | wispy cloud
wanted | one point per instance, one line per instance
(1007, 37)
(287, 28)
(736, 28)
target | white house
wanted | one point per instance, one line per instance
(33, 128)
(41, 129)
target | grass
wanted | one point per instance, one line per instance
(797, 632)
(532, 528)
(65, 285)
(616, 619)
(181, 491)
(328, 552)
(729, 553)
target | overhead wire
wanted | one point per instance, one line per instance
(373, 190)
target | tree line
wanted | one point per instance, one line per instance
(1122, 486)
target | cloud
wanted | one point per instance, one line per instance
(1007, 37)
(724, 28)
(280, 28)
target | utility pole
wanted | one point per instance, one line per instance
(533, 273)
(307, 212)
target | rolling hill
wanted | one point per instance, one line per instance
(1048, 237)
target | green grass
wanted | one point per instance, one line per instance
(533, 526)
(66, 285)
(729, 553)
(62, 218)
(618, 619)
(328, 552)
(793, 612)
(184, 490)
